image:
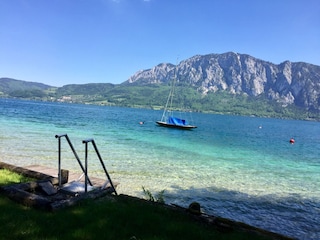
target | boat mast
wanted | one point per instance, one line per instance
(170, 98)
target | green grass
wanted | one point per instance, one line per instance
(8, 177)
(112, 217)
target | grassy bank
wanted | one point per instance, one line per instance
(111, 217)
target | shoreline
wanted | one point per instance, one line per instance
(222, 224)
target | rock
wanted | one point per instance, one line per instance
(48, 188)
(194, 208)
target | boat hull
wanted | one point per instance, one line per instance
(170, 125)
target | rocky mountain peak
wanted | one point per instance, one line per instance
(287, 82)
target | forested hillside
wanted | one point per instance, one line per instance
(227, 83)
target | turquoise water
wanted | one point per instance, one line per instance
(240, 168)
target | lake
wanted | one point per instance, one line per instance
(241, 168)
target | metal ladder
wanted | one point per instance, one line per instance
(83, 168)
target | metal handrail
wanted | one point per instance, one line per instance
(101, 161)
(75, 154)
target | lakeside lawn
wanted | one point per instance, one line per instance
(111, 217)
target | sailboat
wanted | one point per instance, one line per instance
(167, 119)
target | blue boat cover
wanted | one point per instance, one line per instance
(177, 121)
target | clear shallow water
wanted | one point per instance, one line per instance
(240, 168)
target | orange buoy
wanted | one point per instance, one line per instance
(292, 141)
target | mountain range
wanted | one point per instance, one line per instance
(287, 83)
(230, 75)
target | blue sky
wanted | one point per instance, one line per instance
(59, 42)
